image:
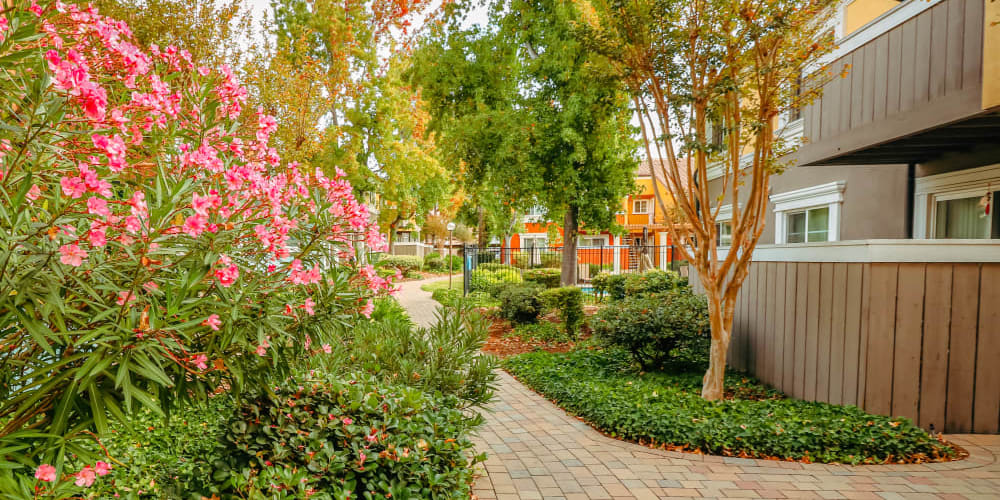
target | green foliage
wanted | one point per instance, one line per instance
(442, 358)
(520, 304)
(356, 439)
(667, 409)
(653, 282)
(496, 266)
(404, 263)
(656, 330)
(453, 298)
(484, 280)
(596, 269)
(548, 278)
(437, 263)
(542, 331)
(568, 303)
(612, 285)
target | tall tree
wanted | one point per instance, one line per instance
(577, 112)
(728, 65)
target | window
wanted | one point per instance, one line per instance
(808, 215)
(796, 112)
(724, 232)
(640, 206)
(953, 205)
(592, 241)
(966, 218)
(808, 226)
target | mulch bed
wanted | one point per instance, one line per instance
(502, 345)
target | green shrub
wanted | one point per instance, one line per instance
(550, 259)
(520, 303)
(548, 278)
(496, 266)
(362, 438)
(610, 285)
(447, 296)
(404, 263)
(433, 262)
(543, 331)
(568, 303)
(484, 280)
(485, 257)
(670, 327)
(660, 408)
(596, 269)
(653, 282)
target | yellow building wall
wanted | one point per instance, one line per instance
(860, 12)
(991, 62)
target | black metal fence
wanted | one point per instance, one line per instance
(487, 267)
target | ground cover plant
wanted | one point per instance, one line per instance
(606, 389)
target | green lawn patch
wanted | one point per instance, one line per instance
(666, 409)
(452, 296)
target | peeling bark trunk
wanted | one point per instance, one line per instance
(568, 274)
(721, 321)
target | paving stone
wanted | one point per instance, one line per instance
(537, 451)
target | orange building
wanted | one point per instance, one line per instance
(644, 244)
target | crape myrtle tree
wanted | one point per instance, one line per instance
(151, 251)
(710, 79)
(577, 112)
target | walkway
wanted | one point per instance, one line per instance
(537, 451)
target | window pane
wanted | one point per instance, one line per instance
(797, 227)
(962, 218)
(725, 230)
(818, 223)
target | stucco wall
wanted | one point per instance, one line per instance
(875, 198)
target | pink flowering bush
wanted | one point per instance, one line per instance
(153, 246)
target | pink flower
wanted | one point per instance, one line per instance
(347, 420)
(125, 297)
(102, 468)
(46, 473)
(72, 187)
(201, 204)
(98, 238)
(34, 192)
(212, 322)
(204, 71)
(72, 255)
(200, 361)
(97, 206)
(228, 273)
(327, 349)
(132, 224)
(261, 350)
(150, 286)
(308, 306)
(85, 477)
(368, 309)
(371, 438)
(35, 9)
(195, 225)
(362, 457)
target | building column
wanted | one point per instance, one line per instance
(617, 254)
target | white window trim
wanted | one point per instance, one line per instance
(644, 201)
(927, 191)
(579, 240)
(829, 195)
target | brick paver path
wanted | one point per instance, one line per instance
(537, 451)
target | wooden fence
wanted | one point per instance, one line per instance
(917, 339)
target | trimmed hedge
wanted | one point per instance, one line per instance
(405, 263)
(548, 278)
(604, 388)
(568, 303)
(611, 285)
(670, 327)
(484, 280)
(520, 304)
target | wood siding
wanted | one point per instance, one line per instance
(920, 340)
(923, 73)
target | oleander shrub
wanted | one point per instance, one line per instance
(668, 328)
(444, 357)
(653, 282)
(604, 388)
(403, 263)
(548, 278)
(520, 303)
(154, 243)
(567, 302)
(322, 436)
(609, 285)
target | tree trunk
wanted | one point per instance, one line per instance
(392, 236)
(721, 321)
(440, 245)
(568, 275)
(482, 229)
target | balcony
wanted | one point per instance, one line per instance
(916, 87)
